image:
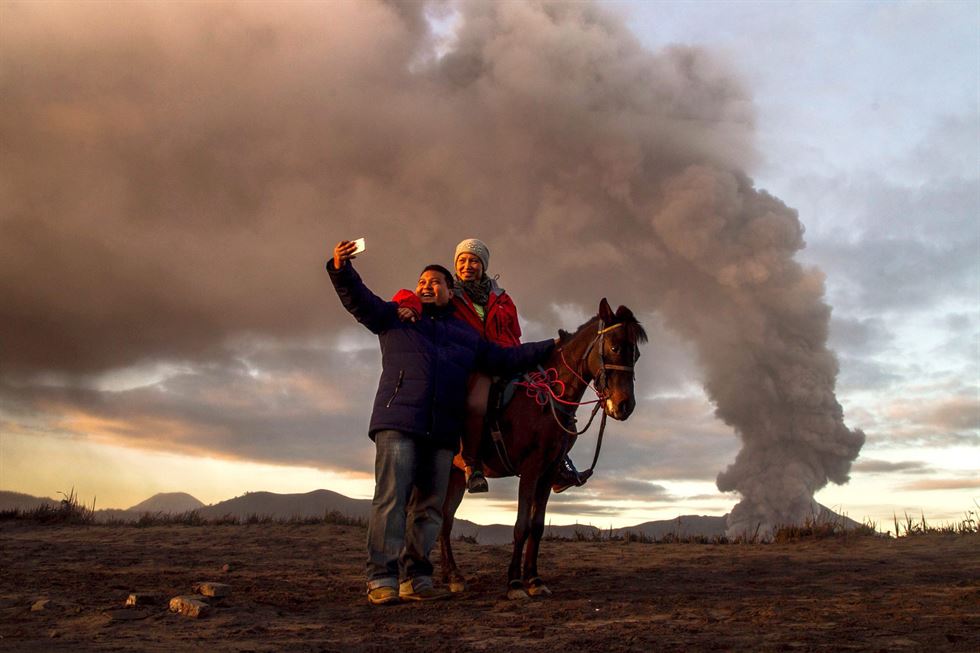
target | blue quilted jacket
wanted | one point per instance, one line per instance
(425, 364)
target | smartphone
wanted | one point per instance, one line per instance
(360, 246)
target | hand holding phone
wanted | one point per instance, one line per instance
(346, 250)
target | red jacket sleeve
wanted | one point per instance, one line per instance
(408, 299)
(503, 327)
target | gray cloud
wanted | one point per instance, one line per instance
(286, 413)
(864, 336)
(949, 414)
(864, 373)
(666, 439)
(898, 273)
(872, 466)
(611, 488)
(944, 484)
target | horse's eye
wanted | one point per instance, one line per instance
(614, 349)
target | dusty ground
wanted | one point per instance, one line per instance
(299, 588)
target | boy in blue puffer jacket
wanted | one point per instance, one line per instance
(418, 415)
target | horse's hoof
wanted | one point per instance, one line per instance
(539, 590)
(517, 594)
(457, 586)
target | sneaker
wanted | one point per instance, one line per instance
(382, 595)
(476, 482)
(421, 590)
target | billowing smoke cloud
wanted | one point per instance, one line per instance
(174, 175)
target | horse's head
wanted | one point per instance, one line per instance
(612, 356)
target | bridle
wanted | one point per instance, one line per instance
(601, 383)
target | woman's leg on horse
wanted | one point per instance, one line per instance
(454, 496)
(476, 412)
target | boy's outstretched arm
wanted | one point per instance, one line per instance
(366, 307)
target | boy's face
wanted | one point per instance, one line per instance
(432, 288)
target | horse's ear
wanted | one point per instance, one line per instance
(623, 314)
(605, 312)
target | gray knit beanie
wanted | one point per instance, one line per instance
(476, 247)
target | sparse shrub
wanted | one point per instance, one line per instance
(342, 519)
(810, 529)
(469, 539)
(68, 511)
(6, 515)
(585, 536)
(970, 524)
(912, 527)
(641, 538)
(188, 518)
(745, 538)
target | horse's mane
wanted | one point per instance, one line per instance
(624, 316)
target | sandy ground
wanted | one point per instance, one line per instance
(299, 588)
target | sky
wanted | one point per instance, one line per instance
(786, 194)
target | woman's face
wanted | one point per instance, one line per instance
(469, 267)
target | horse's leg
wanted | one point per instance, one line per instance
(542, 491)
(454, 496)
(522, 528)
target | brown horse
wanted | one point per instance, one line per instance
(536, 437)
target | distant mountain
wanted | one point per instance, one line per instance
(825, 514)
(504, 533)
(172, 502)
(283, 506)
(19, 501)
(320, 502)
(684, 526)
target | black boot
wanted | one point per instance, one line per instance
(568, 476)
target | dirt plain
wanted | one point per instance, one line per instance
(299, 588)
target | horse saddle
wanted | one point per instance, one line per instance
(502, 392)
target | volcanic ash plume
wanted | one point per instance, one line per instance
(173, 175)
(760, 327)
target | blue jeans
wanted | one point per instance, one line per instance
(411, 478)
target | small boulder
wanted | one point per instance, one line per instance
(192, 606)
(142, 598)
(40, 605)
(213, 590)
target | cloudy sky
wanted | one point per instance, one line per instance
(786, 193)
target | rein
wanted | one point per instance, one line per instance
(542, 386)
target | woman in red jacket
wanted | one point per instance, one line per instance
(487, 308)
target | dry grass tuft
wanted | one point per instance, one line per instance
(816, 529)
(70, 511)
(910, 527)
(67, 511)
